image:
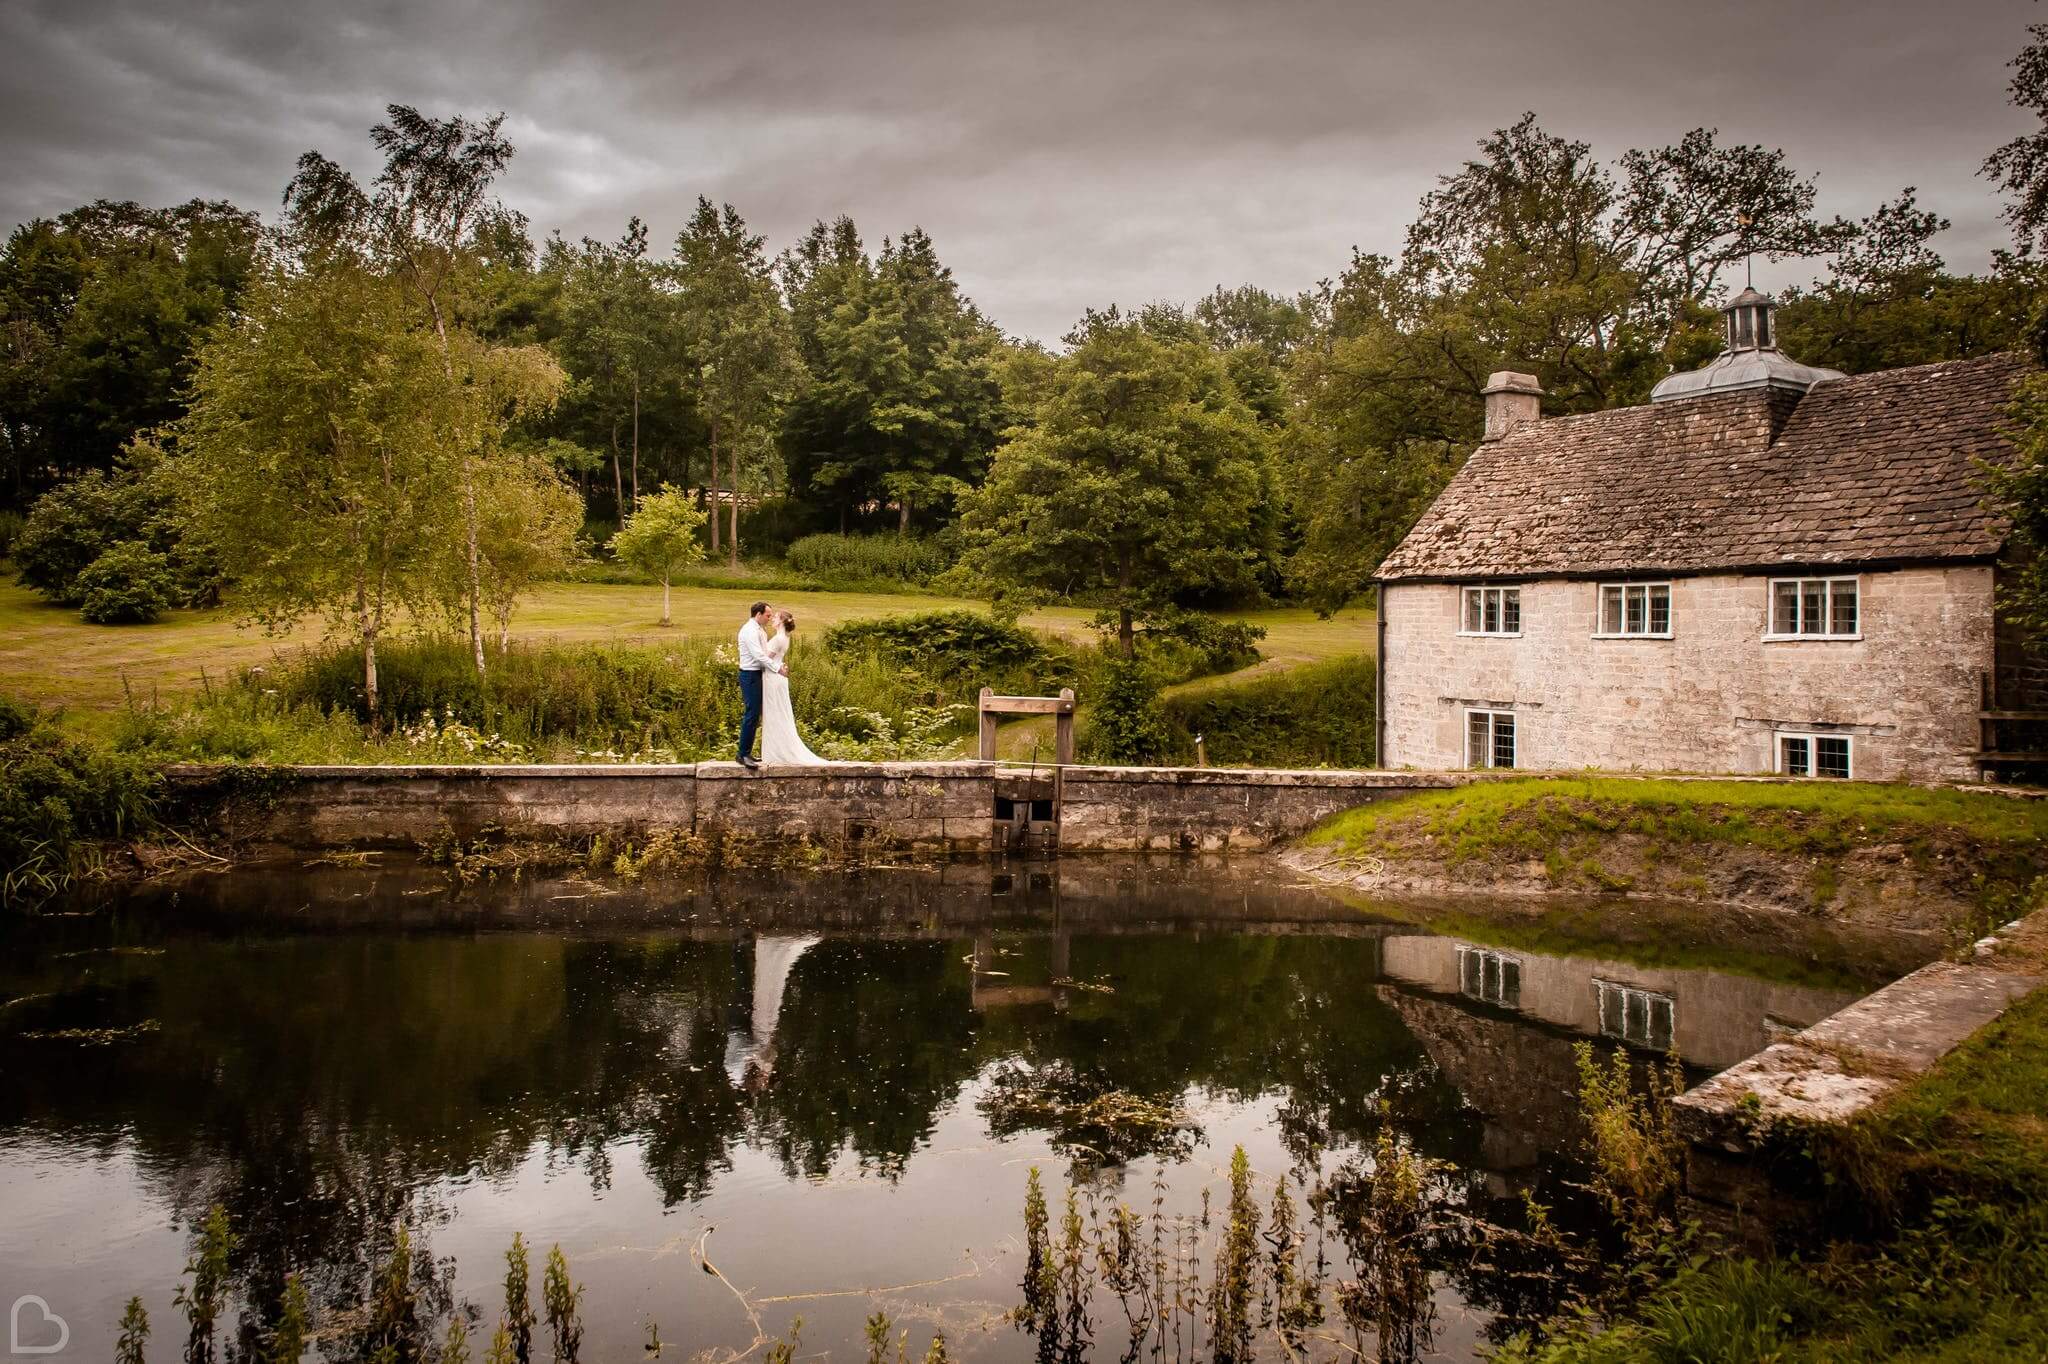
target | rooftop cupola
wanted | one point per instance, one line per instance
(1751, 358)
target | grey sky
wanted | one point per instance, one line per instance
(1062, 154)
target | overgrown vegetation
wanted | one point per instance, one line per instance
(1936, 1248)
(564, 703)
(58, 798)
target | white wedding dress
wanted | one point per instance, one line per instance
(779, 741)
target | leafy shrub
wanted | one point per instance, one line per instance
(1316, 716)
(55, 796)
(947, 644)
(1220, 646)
(71, 526)
(868, 558)
(130, 584)
(1124, 725)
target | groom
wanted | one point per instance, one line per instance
(753, 658)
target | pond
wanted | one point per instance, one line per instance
(831, 1085)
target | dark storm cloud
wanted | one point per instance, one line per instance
(1063, 154)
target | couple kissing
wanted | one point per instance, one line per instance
(764, 691)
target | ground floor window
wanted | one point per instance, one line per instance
(1642, 1018)
(1494, 977)
(1814, 755)
(1489, 738)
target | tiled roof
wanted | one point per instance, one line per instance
(1873, 468)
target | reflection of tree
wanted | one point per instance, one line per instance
(876, 1037)
(322, 1086)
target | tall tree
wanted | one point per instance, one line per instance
(100, 310)
(1134, 485)
(1533, 256)
(741, 351)
(421, 220)
(1888, 299)
(905, 401)
(618, 339)
(318, 454)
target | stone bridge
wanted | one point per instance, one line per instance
(955, 807)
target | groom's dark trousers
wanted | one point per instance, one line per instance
(750, 718)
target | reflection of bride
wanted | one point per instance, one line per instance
(779, 741)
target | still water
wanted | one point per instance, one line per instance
(810, 1078)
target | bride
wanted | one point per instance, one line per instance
(779, 741)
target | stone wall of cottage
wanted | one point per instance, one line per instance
(1709, 699)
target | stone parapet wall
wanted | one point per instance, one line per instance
(1208, 808)
(919, 807)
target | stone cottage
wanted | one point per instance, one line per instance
(1767, 568)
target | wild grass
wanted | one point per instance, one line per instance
(674, 702)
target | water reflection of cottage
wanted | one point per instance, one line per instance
(1715, 1019)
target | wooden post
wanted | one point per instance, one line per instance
(988, 726)
(1060, 707)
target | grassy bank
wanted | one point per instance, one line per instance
(1842, 848)
(1314, 715)
(1938, 1250)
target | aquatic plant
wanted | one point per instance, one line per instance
(518, 1320)
(134, 1338)
(1638, 1156)
(1075, 1282)
(288, 1339)
(561, 1297)
(206, 1296)
(1237, 1269)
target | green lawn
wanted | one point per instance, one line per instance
(49, 656)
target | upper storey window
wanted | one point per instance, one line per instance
(1492, 611)
(1815, 608)
(1636, 609)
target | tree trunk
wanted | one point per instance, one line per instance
(664, 599)
(636, 440)
(711, 501)
(370, 670)
(504, 630)
(732, 541)
(469, 508)
(903, 516)
(1125, 635)
(618, 477)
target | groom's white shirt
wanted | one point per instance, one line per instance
(754, 649)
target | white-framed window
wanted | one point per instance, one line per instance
(1489, 738)
(1491, 611)
(1815, 608)
(1639, 1017)
(1815, 755)
(1490, 976)
(1640, 609)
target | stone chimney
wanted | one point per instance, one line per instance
(1512, 400)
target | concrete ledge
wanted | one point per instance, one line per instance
(1841, 1066)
